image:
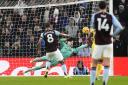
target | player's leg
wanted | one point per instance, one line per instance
(108, 51)
(52, 61)
(93, 71)
(35, 68)
(63, 66)
(96, 55)
(98, 70)
(48, 65)
(106, 62)
(43, 58)
(60, 58)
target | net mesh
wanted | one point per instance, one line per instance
(22, 22)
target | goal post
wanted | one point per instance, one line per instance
(22, 22)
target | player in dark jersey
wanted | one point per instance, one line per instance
(65, 48)
(103, 22)
(50, 37)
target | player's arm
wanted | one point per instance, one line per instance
(82, 46)
(75, 50)
(39, 43)
(61, 34)
(64, 35)
(117, 26)
(92, 30)
(92, 22)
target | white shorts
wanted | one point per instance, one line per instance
(55, 56)
(102, 51)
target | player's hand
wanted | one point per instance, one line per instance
(86, 45)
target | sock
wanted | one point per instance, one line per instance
(98, 70)
(48, 65)
(92, 75)
(64, 68)
(37, 68)
(106, 74)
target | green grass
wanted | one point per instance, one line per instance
(117, 80)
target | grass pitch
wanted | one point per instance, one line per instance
(117, 80)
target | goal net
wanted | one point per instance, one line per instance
(22, 22)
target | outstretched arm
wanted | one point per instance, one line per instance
(92, 21)
(61, 34)
(82, 46)
(75, 50)
(39, 43)
(64, 35)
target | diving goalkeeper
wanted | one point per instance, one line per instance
(66, 50)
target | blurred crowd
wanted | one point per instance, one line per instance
(121, 41)
(20, 29)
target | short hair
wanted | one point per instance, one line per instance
(102, 5)
(47, 25)
(70, 39)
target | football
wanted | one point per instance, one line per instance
(85, 30)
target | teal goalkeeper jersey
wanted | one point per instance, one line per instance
(66, 50)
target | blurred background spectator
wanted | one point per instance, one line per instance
(80, 69)
(46, 14)
(77, 17)
(121, 42)
(71, 29)
(21, 3)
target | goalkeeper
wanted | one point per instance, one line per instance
(66, 50)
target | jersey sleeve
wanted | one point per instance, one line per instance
(57, 33)
(117, 26)
(116, 23)
(42, 35)
(62, 42)
(92, 21)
